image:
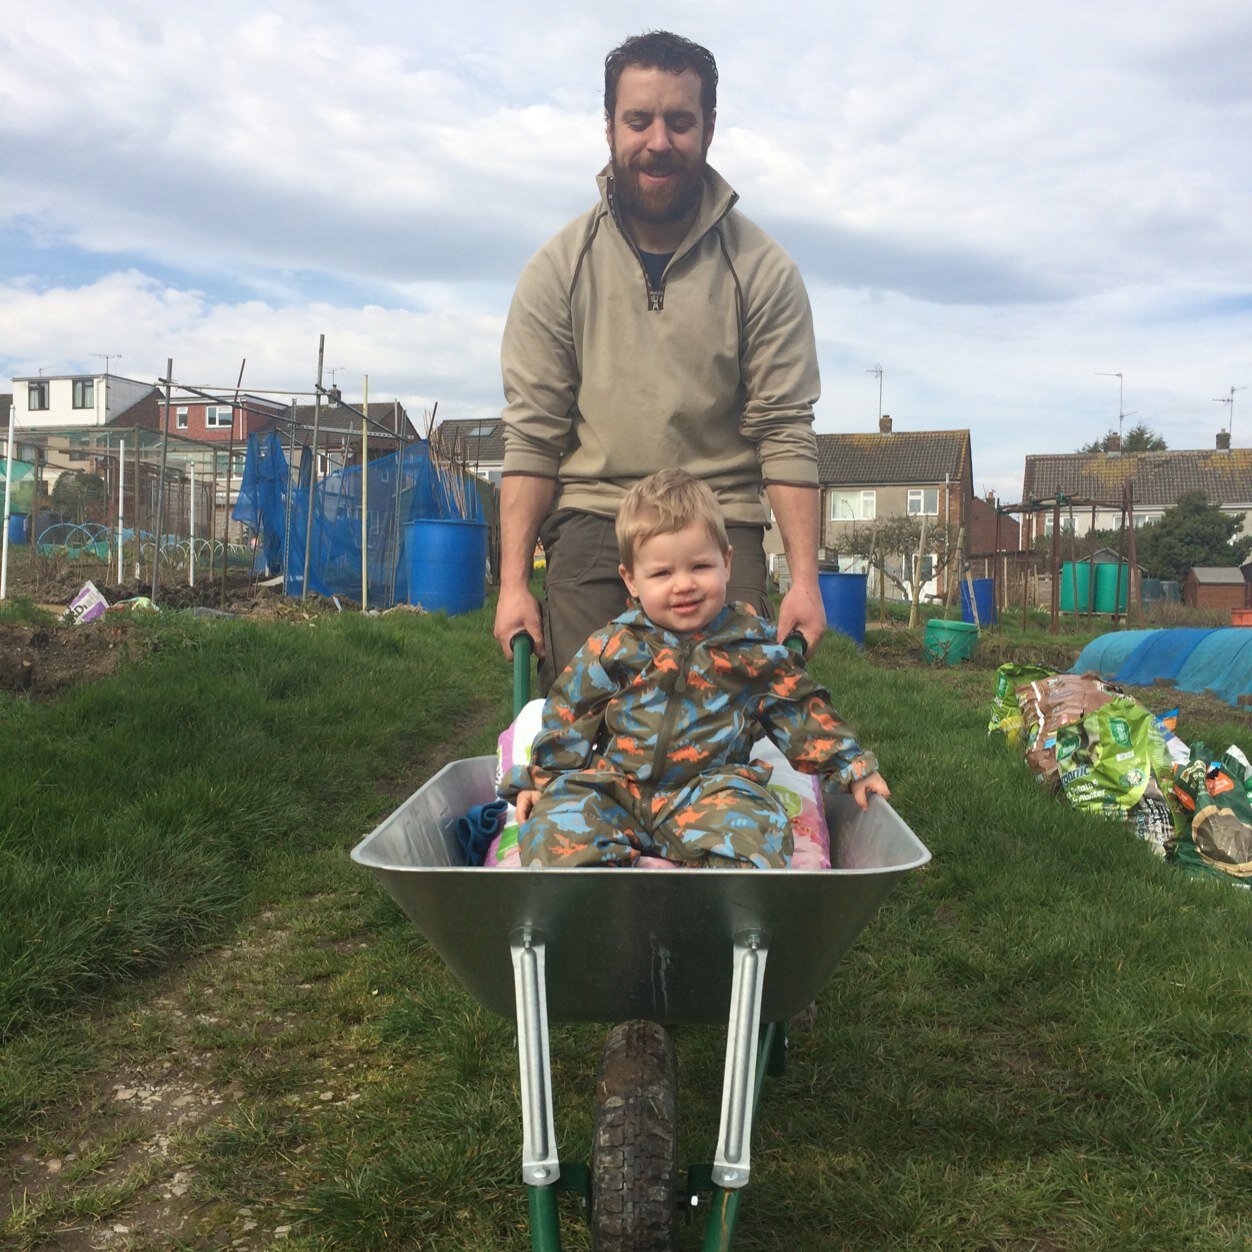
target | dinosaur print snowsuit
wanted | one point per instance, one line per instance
(646, 740)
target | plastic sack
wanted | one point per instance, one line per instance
(1050, 704)
(1105, 761)
(1217, 834)
(1006, 713)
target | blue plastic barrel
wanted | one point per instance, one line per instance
(446, 560)
(17, 528)
(984, 601)
(843, 596)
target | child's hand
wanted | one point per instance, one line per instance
(526, 802)
(862, 788)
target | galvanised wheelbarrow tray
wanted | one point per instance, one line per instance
(751, 948)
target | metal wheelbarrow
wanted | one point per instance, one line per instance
(691, 947)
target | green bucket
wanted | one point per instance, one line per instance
(949, 642)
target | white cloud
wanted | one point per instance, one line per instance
(993, 203)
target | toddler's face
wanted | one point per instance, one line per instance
(679, 578)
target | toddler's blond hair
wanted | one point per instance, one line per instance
(663, 503)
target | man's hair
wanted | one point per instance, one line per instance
(660, 50)
(661, 504)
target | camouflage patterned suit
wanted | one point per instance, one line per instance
(645, 745)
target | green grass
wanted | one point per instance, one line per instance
(1040, 1042)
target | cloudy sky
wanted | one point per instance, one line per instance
(995, 207)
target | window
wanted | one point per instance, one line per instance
(37, 397)
(218, 415)
(180, 416)
(924, 501)
(852, 506)
(84, 393)
(1067, 525)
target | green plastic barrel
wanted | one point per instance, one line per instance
(1110, 595)
(1075, 576)
(949, 642)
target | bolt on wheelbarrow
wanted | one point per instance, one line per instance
(748, 949)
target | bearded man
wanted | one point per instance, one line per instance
(661, 328)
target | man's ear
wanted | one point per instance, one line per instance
(625, 575)
(708, 131)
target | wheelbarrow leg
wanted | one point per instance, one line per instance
(732, 1161)
(540, 1167)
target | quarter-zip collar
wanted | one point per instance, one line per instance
(716, 201)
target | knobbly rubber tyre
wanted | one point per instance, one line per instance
(634, 1150)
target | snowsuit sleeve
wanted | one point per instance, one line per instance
(796, 713)
(573, 717)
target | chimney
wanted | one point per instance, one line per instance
(884, 424)
(335, 394)
(1223, 441)
(991, 498)
(1114, 444)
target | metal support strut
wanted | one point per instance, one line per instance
(732, 1161)
(540, 1167)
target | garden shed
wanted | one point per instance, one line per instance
(1213, 587)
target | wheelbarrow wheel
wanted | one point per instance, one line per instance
(634, 1154)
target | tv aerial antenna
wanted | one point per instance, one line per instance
(877, 371)
(1122, 415)
(1230, 400)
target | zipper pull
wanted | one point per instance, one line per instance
(684, 659)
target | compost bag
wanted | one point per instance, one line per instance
(1006, 713)
(1050, 704)
(1217, 828)
(1105, 761)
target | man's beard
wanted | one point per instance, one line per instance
(658, 205)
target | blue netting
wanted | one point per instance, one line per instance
(1160, 655)
(1218, 660)
(1221, 663)
(1105, 655)
(399, 488)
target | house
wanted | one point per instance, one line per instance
(479, 441)
(56, 401)
(1214, 587)
(867, 479)
(339, 429)
(990, 529)
(220, 419)
(1090, 486)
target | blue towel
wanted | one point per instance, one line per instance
(476, 830)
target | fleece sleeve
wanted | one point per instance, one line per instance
(540, 371)
(780, 375)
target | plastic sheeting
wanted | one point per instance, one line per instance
(1217, 661)
(1106, 655)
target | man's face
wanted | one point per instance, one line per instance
(658, 137)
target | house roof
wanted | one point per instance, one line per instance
(1157, 478)
(903, 457)
(479, 438)
(1218, 575)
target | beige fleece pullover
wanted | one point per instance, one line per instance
(607, 381)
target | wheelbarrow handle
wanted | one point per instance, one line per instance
(523, 647)
(797, 643)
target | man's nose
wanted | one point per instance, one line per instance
(658, 136)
